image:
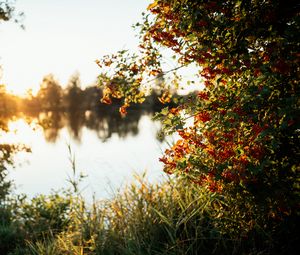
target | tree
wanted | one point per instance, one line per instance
(74, 93)
(7, 106)
(7, 151)
(50, 94)
(8, 110)
(245, 131)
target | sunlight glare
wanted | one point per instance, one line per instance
(19, 132)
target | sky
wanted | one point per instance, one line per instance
(63, 37)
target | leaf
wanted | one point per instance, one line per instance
(165, 111)
(151, 6)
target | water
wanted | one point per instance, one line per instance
(107, 149)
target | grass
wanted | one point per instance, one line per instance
(170, 218)
(145, 218)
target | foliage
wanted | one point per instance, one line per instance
(74, 93)
(145, 218)
(8, 232)
(8, 108)
(54, 107)
(44, 215)
(238, 151)
(245, 122)
(50, 93)
(36, 220)
(7, 12)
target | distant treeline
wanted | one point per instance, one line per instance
(53, 97)
(54, 107)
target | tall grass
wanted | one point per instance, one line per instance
(168, 218)
(173, 217)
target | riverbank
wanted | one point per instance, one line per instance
(144, 218)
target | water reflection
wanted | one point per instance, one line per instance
(55, 107)
(107, 146)
(132, 147)
(104, 123)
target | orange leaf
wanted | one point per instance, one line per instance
(150, 6)
(106, 100)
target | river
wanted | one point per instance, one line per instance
(108, 150)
